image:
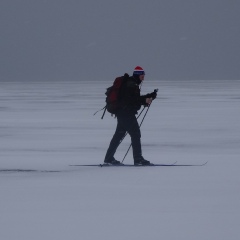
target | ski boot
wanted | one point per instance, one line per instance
(112, 161)
(140, 161)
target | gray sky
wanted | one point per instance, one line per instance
(86, 39)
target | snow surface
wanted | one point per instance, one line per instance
(46, 126)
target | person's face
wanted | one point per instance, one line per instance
(141, 77)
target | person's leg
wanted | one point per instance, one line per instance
(135, 133)
(117, 137)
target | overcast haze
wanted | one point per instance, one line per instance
(74, 40)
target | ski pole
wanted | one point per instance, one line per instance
(155, 90)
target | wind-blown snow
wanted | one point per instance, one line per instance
(44, 127)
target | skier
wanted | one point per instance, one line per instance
(131, 102)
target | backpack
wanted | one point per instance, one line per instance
(113, 103)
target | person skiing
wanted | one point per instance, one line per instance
(131, 102)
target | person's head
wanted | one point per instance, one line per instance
(139, 74)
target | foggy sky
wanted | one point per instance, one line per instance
(86, 39)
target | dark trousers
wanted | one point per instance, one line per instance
(126, 122)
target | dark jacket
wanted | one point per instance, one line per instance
(131, 100)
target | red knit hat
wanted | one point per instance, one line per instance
(138, 71)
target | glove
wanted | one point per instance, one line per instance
(153, 95)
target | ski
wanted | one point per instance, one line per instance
(156, 165)
(120, 165)
(131, 165)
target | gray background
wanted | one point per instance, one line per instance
(87, 40)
